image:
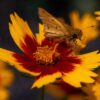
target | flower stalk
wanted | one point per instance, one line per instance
(43, 93)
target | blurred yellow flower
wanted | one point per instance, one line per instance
(96, 88)
(93, 90)
(64, 90)
(4, 94)
(6, 79)
(89, 92)
(76, 97)
(55, 91)
(88, 24)
(98, 15)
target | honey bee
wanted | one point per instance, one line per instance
(57, 29)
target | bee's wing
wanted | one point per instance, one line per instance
(52, 26)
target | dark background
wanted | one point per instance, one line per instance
(28, 10)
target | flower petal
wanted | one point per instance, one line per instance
(40, 36)
(28, 63)
(97, 12)
(22, 34)
(82, 72)
(46, 80)
(98, 15)
(79, 75)
(96, 90)
(90, 60)
(9, 57)
(67, 64)
(96, 87)
(75, 19)
(89, 33)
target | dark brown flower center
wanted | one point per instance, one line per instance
(46, 55)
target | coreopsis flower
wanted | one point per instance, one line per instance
(92, 90)
(87, 24)
(98, 15)
(88, 91)
(47, 60)
(6, 79)
(95, 88)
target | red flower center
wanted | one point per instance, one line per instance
(46, 55)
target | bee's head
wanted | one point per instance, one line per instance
(76, 34)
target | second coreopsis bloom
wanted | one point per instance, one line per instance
(95, 88)
(48, 60)
(87, 24)
(63, 90)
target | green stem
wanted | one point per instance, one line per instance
(43, 93)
